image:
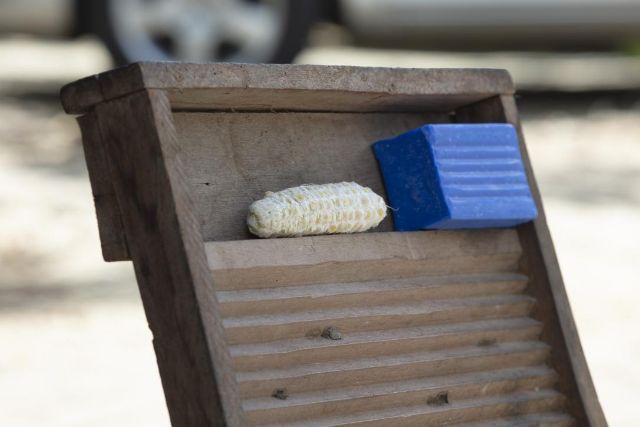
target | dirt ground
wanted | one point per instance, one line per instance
(75, 349)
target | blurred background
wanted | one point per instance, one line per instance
(75, 349)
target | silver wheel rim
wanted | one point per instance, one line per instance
(198, 30)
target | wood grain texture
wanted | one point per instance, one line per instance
(518, 403)
(359, 294)
(82, 95)
(374, 370)
(350, 400)
(316, 349)
(350, 320)
(541, 265)
(266, 263)
(243, 87)
(112, 237)
(547, 419)
(166, 247)
(234, 158)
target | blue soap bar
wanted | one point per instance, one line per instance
(449, 176)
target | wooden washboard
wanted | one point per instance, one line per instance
(465, 328)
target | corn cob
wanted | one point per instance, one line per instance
(344, 207)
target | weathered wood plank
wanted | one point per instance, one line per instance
(283, 353)
(82, 95)
(521, 403)
(300, 87)
(234, 158)
(252, 329)
(345, 373)
(112, 236)
(247, 264)
(328, 296)
(166, 247)
(353, 400)
(541, 265)
(546, 419)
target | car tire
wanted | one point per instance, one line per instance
(297, 20)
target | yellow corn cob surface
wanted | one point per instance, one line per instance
(344, 207)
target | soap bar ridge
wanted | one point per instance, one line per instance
(447, 176)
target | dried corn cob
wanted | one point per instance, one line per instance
(345, 207)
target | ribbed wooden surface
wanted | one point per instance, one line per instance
(444, 339)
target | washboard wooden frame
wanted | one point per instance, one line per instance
(176, 151)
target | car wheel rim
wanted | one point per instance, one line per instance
(198, 30)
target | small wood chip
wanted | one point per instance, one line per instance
(280, 394)
(439, 399)
(331, 333)
(487, 342)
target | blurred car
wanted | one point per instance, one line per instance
(276, 30)
(187, 30)
(494, 24)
